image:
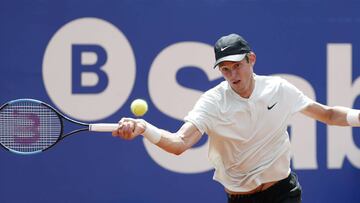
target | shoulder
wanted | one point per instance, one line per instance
(269, 84)
(216, 92)
(282, 86)
(212, 98)
(274, 81)
(269, 79)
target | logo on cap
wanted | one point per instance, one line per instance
(223, 48)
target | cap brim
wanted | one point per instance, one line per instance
(237, 57)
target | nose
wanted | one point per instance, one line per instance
(232, 73)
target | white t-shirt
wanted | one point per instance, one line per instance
(249, 143)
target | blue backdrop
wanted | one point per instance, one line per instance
(47, 46)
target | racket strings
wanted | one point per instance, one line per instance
(28, 126)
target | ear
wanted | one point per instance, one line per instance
(252, 58)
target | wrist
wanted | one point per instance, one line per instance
(352, 117)
(152, 133)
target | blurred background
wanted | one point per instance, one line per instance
(90, 59)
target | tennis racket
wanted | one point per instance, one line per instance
(29, 126)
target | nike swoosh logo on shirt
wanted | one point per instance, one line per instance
(272, 106)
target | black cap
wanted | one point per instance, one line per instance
(232, 47)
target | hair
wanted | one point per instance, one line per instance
(247, 58)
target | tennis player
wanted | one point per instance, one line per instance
(246, 117)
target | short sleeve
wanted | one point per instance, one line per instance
(202, 114)
(297, 99)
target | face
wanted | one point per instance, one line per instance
(239, 75)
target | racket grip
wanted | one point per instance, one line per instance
(103, 127)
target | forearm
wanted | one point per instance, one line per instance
(337, 115)
(343, 116)
(171, 142)
(175, 143)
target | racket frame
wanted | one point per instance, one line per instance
(61, 117)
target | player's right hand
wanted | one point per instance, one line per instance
(129, 128)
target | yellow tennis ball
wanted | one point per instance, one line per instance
(139, 107)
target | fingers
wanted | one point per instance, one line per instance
(126, 129)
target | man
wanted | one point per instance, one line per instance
(246, 117)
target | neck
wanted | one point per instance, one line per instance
(249, 90)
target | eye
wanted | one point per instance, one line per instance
(224, 69)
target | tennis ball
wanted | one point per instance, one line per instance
(139, 107)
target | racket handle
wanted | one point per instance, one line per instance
(103, 127)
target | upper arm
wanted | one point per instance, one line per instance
(316, 111)
(190, 134)
(183, 139)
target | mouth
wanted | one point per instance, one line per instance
(236, 82)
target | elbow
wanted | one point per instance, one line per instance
(180, 146)
(179, 151)
(332, 119)
(177, 148)
(175, 151)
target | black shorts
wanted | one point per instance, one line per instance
(287, 190)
